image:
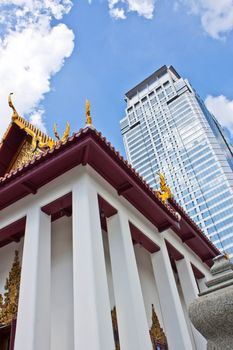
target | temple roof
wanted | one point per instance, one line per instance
(19, 144)
(88, 146)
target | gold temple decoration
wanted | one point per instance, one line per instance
(115, 328)
(65, 135)
(227, 256)
(156, 332)
(165, 193)
(88, 113)
(9, 302)
(26, 154)
(15, 114)
(39, 139)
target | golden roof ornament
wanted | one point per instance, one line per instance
(15, 114)
(66, 132)
(156, 332)
(115, 328)
(39, 139)
(165, 193)
(88, 113)
(9, 303)
(227, 256)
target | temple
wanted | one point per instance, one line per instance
(90, 256)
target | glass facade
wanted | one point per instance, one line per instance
(167, 128)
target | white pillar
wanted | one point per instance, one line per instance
(190, 292)
(33, 321)
(174, 321)
(92, 313)
(131, 315)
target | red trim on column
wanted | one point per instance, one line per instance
(173, 251)
(197, 273)
(12, 232)
(139, 237)
(60, 207)
(106, 211)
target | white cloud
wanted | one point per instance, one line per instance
(31, 51)
(216, 15)
(117, 13)
(143, 8)
(222, 109)
(36, 118)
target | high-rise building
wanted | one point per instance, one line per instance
(168, 129)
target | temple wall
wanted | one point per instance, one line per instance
(7, 254)
(62, 285)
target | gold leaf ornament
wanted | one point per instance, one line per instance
(9, 302)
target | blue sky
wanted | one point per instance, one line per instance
(54, 56)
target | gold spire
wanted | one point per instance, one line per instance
(15, 114)
(88, 113)
(66, 132)
(165, 193)
(9, 304)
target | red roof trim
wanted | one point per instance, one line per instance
(89, 147)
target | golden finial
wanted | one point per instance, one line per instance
(227, 256)
(88, 113)
(65, 135)
(165, 193)
(15, 114)
(55, 132)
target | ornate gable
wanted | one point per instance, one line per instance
(21, 143)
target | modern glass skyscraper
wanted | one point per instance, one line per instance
(167, 128)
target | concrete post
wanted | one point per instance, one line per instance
(174, 320)
(190, 292)
(92, 313)
(33, 321)
(131, 315)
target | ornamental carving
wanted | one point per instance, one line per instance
(9, 301)
(157, 335)
(26, 154)
(156, 332)
(115, 328)
(165, 193)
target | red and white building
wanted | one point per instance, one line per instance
(91, 236)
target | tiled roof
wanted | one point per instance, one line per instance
(74, 138)
(172, 208)
(21, 121)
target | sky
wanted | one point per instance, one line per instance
(56, 53)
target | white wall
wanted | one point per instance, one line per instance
(62, 334)
(7, 254)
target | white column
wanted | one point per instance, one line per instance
(92, 313)
(173, 316)
(33, 321)
(131, 315)
(190, 292)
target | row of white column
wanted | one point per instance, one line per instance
(92, 316)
